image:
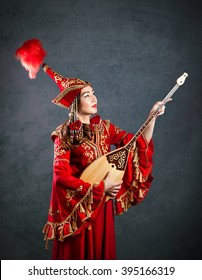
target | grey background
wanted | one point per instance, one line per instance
(132, 52)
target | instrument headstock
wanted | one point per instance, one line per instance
(181, 79)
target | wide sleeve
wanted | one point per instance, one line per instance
(138, 174)
(74, 203)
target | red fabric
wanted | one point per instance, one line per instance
(31, 55)
(94, 243)
(80, 221)
(137, 177)
(69, 87)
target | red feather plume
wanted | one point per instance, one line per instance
(31, 55)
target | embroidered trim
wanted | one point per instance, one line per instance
(72, 193)
(61, 159)
(55, 133)
(64, 92)
(127, 199)
(69, 225)
(50, 212)
(106, 123)
(58, 151)
(117, 129)
(103, 144)
(90, 150)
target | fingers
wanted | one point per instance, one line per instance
(155, 107)
(162, 108)
(111, 188)
(117, 184)
(113, 192)
(159, 104)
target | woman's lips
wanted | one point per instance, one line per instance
(94, 106)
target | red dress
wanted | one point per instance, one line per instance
(80, 221)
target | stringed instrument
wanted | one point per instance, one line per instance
(116, 160)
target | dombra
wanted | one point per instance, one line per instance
(115, 161)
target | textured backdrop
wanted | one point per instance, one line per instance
(132, 52)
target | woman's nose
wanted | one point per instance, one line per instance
(94, 98)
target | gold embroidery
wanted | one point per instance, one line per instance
(107, 124)
(64, 81)
(72, 193)
(104, 146)
(55, 133)
(137, 187)
(50, 211)
(56, 230)
(90, 155)
(64, 92)
(117, 129)
(61, 159)
(99, 147)
(58, 151)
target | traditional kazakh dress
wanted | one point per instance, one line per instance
(80, 220)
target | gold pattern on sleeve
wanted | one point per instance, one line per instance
(90, 150)
(61, 159)
(106, 124)
(72, 193)
(117, 129)
(58, 151)
(103, 145)
(50, 212)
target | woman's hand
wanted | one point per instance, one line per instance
(111, 189)
(155, 107)
(148, 132)
(161, 110)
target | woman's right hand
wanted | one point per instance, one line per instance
(111, 189)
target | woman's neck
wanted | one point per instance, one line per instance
(84, 118)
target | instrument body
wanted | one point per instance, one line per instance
(116, 160)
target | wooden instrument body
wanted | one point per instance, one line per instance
(114, 161)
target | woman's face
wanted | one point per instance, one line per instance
(88, 102)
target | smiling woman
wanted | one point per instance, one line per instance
(81, 213)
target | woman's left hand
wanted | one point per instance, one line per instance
(148, 132)
(161, 110)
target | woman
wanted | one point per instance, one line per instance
(80, 219)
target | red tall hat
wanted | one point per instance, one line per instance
(32, 54)
(69, 87)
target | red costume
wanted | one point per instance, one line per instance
(79, 220)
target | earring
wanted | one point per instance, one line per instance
(76, 109)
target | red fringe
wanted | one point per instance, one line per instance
(31, 55)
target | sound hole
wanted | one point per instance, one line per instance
(113, 165)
